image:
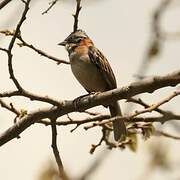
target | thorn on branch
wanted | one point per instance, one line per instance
(9, 107)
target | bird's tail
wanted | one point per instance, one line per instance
(119, 127)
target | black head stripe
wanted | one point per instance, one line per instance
(76, 37)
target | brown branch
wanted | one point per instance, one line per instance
(50, 7)
(42, 53)
(3, 49)
(160, 119)
(156, 37)
(76, 122)
(11, 44)
(105, 135)
(55, 149)
(4, 3)
(92, 113)
(155, 106)
(93, 166)
(39, 51)
(65, 107)
(136, 113)
(105, 119)
(31, 96)
(76, 15)
(161, 133)
(167, 115)
(10, 107)
(142, 103)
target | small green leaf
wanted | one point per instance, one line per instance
(23, 112)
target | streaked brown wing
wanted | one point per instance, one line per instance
(104, 67)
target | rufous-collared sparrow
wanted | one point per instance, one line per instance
(94, 73)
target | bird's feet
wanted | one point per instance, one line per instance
(77, 100)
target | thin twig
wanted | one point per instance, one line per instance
(95, 164)
(156, 38)
(50, 7)
(55, 148)
(76, 15)
(4, 3)
(105, 119)
(39, 51)
(76, 122)
(9, 107)
(142, 103)
(161, 133)
(31, 96)
(3, 49)
(11, 44)
(91, 113)
(155, 106)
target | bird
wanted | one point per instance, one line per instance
(94, 73)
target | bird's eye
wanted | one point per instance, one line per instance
(77, 40)
(74, 40)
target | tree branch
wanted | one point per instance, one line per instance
(55, 149)
(155, 106)
(146, 85)
(39, 51)
(11, 44)
(51, 5)
(161, 133)
(76, 15)
(31, 96)
(10, 107)
(77, 122)
(4, 3)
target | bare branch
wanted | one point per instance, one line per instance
(76, 15)
(155, 106)
(42, 53)
(11, 44)
(77, 122)
(141, 102)
(136, 113)
(31, 96)
(156, 37)
(92, 113)
(3, 49)
(9, 107)
(50, 7)
(146, 85)
(55, 149)
(161, 133)
(4, 3)
(94, 146)
(93, 166)
(39, 51)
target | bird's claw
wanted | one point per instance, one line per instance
(76, 100)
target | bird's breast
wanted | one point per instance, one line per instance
(87, 73)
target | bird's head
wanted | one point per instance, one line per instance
(74, 39)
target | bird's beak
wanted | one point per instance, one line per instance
(62, 43)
